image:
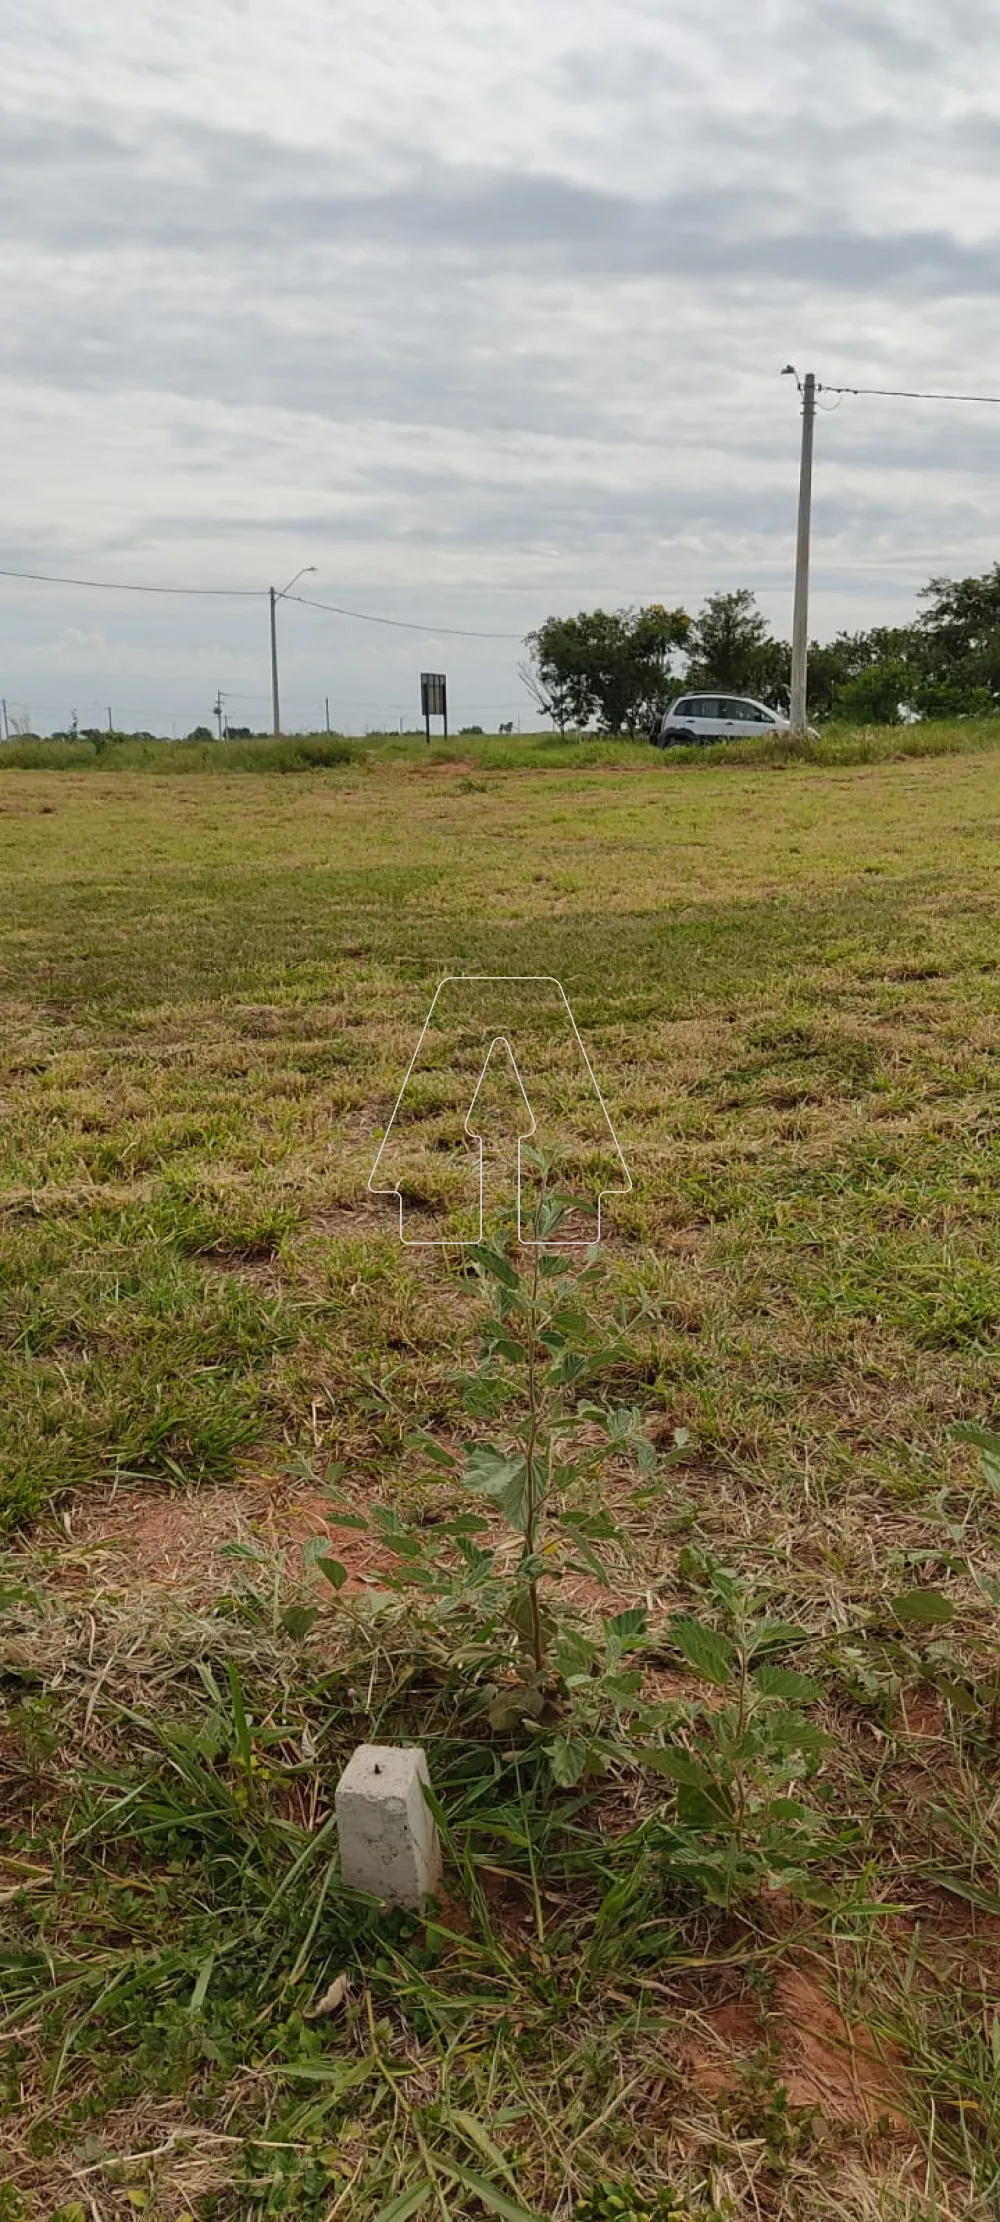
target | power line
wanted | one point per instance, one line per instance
(255, 594)
(906, 393)
(122, 586)
(400, 624)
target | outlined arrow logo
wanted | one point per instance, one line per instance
(499, 1067)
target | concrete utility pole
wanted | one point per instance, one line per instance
(275, 706)
(800, 617)
(327, 713)
(276, 596)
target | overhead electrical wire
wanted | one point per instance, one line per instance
(907, 393)
(400, 624)
(123, 586)
(255, 594)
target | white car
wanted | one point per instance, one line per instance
(716, 717)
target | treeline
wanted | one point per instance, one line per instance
(618, 669)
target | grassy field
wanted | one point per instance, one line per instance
(785, 972)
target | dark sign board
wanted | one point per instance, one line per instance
(434, 698)
(433, 694)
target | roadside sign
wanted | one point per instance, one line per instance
(434, 699)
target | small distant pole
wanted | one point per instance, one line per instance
(218, 711)
(110, 725)
(6, 726)
(327, 700)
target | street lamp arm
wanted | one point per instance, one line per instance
(280, 595)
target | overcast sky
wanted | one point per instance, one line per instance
(480, 310)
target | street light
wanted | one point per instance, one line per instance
(276, 597)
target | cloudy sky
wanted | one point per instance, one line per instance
(479, 310)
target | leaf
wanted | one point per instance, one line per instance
(703, 1809)
(781, 1681)
(568, 1759)
(775, 1635)
(240, 1725)
(922, 1608)
(332, 1998)
(570, 1366)
(969, 1431)
(335, 1573)
(514, 1704)
(503, 1480)
(471, 2128)
(200, 1991)
(494, 2200)
(704, 1649)
(408, 2202)
(599, 1526)
(297, 1620)
(675, 1764)
(957, 1696)
(629, 1628)
(431, 1449)
(587, 1562)
(490, 1261)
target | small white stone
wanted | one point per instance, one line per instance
(389, 1844)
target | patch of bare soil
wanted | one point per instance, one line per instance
(822, 2061)
(153, 1538)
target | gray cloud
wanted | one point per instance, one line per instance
(215, 194)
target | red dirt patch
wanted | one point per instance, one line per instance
(822, 2062)
(829, 2064)
(155, 1539)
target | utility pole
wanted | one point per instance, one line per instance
(327, 713)
(217, 711)
(110, 726)
(275, 709)
(800, 615)
(6, 726)
(277, 595)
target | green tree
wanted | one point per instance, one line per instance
(730, 645)
(876, 695)
(872, 676)
(959, 637)
(612, 666)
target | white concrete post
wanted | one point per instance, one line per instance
(389, 1844)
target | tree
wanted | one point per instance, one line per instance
(608, 665)
(959, 636)
(552, 695)
(875, 696)
(872, 676)
(730, 645)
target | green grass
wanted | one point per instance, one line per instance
(212, 988)
(546, 751)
